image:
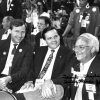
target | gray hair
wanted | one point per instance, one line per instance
(91, 40)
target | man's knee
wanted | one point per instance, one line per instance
(60, 92)
(37, 94)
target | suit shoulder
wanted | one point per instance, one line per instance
(68, 50)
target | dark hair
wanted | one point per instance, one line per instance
(46, 19)
(17, 22)
(46, 30)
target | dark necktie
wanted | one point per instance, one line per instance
(43, 71)
(14, 49)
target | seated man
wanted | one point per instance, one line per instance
(83, 76)
(49, 62)
(15, 58)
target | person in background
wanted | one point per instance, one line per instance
(15, 58)
(10, 8)
(84, 18)
(5, 31)
(42, 73)
(83, 75)
(43, 22)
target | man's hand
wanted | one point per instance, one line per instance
(3, 83)
(5, 80)
(27, 85)
(48, 89)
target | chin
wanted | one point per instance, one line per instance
(79, 58)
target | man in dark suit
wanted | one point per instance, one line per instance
(43, 22)
(83, 75)
(61, 59)
(15, 58)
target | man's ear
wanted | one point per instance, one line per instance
(47, 25)
(93, 50)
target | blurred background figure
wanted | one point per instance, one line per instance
(10, 8)
(83, 18)
(5, 30)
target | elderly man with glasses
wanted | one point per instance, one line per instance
(83, 75)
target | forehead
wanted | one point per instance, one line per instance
(51, 33)
(19, 27)
(82, 0)
(5, 19)
(41, 21)
(82, 41)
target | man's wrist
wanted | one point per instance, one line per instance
(9, 79)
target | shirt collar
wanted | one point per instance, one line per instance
(54, 49)
(89, 62)
(14, 43)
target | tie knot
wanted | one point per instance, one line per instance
(15, 45)
(52, 51)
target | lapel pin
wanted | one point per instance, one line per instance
(4, 53)
(91, 72)
(20, 50)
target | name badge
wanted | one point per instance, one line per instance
(91, 88)
(83, 23)
(91, 95)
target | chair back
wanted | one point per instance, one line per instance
(6, 96)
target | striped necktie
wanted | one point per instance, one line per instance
(46, 66)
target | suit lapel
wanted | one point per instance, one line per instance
(58, 59)
(40, 59)
(91, 72)
(6, 45)
(18, 53)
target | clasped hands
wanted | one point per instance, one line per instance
(48, 88)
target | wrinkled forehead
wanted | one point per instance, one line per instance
(82, 40)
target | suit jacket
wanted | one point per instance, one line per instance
(2, 31)
(63, 56)
(92, 77)
(21, 62)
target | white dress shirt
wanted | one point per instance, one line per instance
(9, 60)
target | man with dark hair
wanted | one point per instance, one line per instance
(15, 58)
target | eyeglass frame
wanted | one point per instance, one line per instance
(80, 47)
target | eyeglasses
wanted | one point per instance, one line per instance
(80, 47)
(41, 24)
